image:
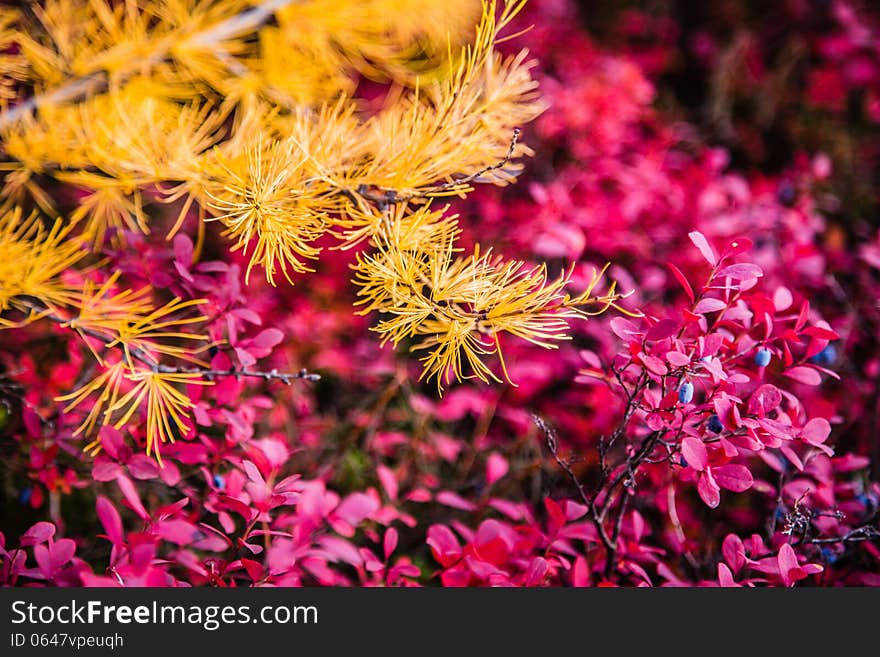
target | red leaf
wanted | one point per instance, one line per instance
(254, 569)
(705, 249)
(805, 375)
(682, 280)
(694, 452)
(734, 477)
(803, 316)
(821, 333)
(737, 246)
(662, 330)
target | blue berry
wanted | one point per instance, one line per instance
(219, 482)
(706, 359)
(25, 495)
(763, 357)
(682, 462)
(829, 555)
(825, 357)
(786, 194)
(714, 424)
(686, 392)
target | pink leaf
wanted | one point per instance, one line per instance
(38, 533)
(805, 375)
(61, 552)
(389, 543)
(816, 431)
(253, 473)
(455, 500)
(653, 364)
(262, 344)
(705, 249)
(709, 305)
(131, 496)
(444, 545)
(740, 272)
(765, 399)
(179, 532)
(788, 562)
(496, 467)
(694, 452)
(142, 466)
(354, 508)
(708, 489)
(734, 477)
(734, 552)
(677, 359)
(725, 577)
(623, 328)
(388, 481)
(110, 519)
(537, 570)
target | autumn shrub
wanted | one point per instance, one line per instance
(438, 295)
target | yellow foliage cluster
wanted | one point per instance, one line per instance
(255, 124)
